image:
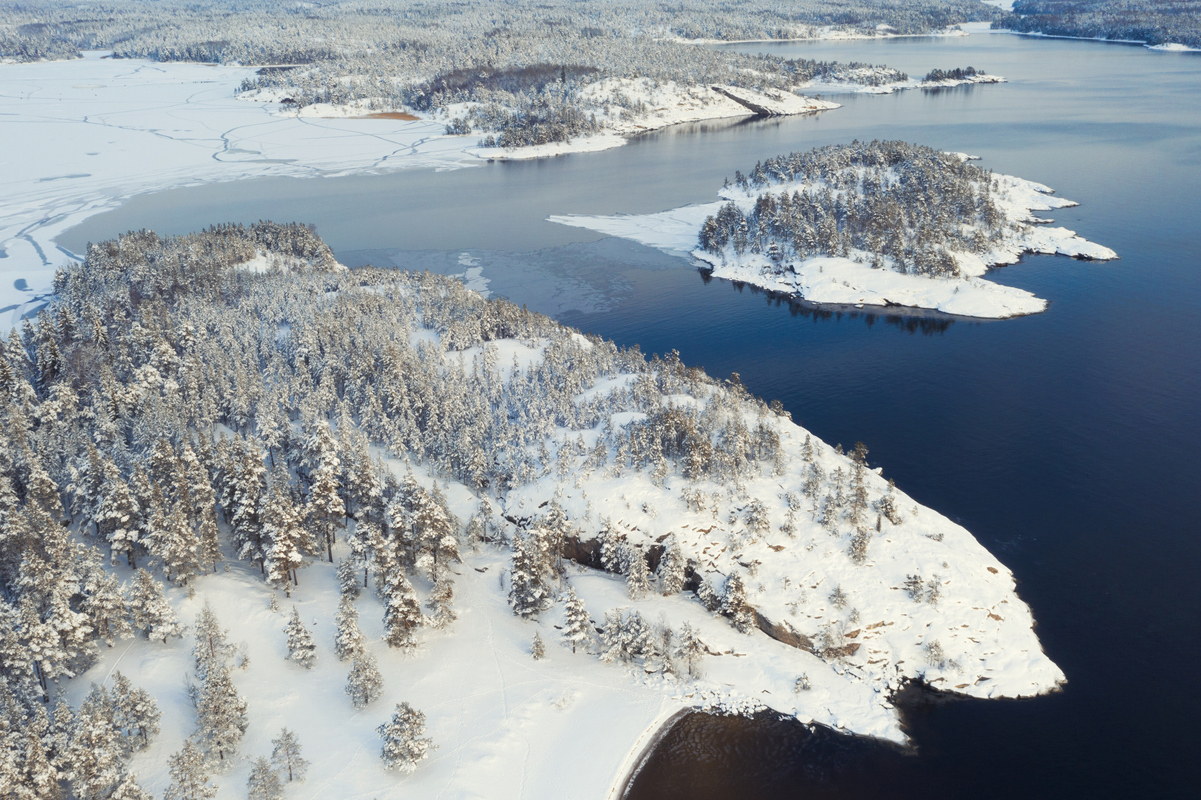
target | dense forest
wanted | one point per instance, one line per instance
(1150, 21)
(907, 206)
(279, 32)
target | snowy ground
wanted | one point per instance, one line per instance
(850, 281)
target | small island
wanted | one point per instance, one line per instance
(883, 223)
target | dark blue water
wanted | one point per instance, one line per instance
(1067, 442)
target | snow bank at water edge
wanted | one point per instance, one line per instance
(639, 105)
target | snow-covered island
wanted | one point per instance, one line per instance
(880, 223)
(453, 547)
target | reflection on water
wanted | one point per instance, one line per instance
(912, 320)
(707, 757)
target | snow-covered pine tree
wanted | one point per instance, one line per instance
(135, 713)
(637, 576)
(149, 610)
(612, 548)
(285, 536)
(285, 756)
(690, 650)
(172, 540)
(263, 781)
(537, 648)
(528, 592)
(34, 779)
(613, 637)
(348, 641)
(364, 683)
(221, 714)
(348, 579)
(325, 510)
(441, 598)
(638, 639)
(434, 536)
(247, 486)
(405, 743)
(105, 605)
(120, 516)
(671, 572)
(300, 642)
(212, 645)
(734, 604)
(94, 754)
(128, 788)
(87, 487)
(189, 775)
(204, 507)
(402, 612)
(577, 625)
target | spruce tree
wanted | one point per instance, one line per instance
(734, 604)
(348, 641)
(221, 713)
(348, 579)
(364, 683)
(94, 754)
(135, 713)
(149, 610)
(577, 625)
(285, 538)
(204, 508)
(690, 650)
(442, 614)
(528, 592)
(129, 789)
(189, 775)
(105, 606)
(613, 638)
(637, 576)
(285, 756)
(120, 517)
(405, 743)
(212, 645)
(300, 642)
(402, 612)
(263, 782)
(325, 510)
(671, 572)
(537, 648)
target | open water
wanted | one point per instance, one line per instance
(1067, 442)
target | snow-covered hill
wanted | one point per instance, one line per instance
(379, 441)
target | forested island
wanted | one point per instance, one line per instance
(881, 223)
(263, 517)
(1157, 24)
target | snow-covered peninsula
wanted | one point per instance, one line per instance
(882, 224)
(545, 544)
